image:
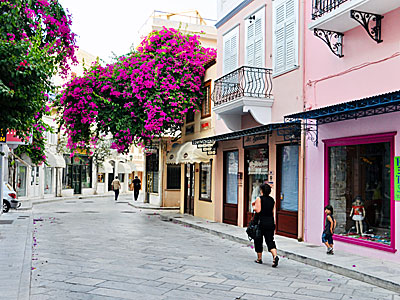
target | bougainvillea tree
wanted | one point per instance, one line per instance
(35, 43)
(140, 96)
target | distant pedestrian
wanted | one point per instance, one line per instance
(116, 185)
(137, 185)
(330, 225)
(264, 206)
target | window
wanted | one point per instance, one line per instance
(285, 39)
(189, 129)
(205, 181)
(152, 172)
(359, 173)
(231, 49)
(255, 25)
(190, 116)
(48, 180)
(121, 177)
(206, 103)
(173, 177)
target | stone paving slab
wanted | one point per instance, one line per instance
(384, 274)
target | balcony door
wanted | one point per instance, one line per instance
(231, 168)
(287, 193)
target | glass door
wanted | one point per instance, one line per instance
(287, 190)
(189, 189)
(77, 179)
(231, 169)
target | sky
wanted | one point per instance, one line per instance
(111, 26)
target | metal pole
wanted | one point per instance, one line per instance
(1, 177)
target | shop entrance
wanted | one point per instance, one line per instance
(231, 168)
(77, 179)
(287, 192)
(189, 189)
(256, 166)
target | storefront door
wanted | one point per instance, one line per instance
(77, 179)
(256, 174)
(189, 189)
(287, 190)
(231, 168)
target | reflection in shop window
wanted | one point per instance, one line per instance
(257, 162)
(360, 192)
(205, 181)
(21, 180)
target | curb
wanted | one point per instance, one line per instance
(153, 207)
(370, 279)
(25, 279)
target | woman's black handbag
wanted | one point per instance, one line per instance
(254, 228)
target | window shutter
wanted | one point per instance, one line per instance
(234, 52)
(227, 56)
(250, 44)
(230, 51)
(279, 38)
(255, 40)
(290, 34)
(258, 44)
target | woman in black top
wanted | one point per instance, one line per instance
(264, 207)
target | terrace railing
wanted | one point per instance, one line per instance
(322, 7)
(243, 82)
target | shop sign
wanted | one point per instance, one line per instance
(252, 140)
(258, 167)
(10, 137)
(3, 135)
(397, 178)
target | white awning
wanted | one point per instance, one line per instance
(123, 168)
(189, 153)
(54, 160)
(172, 155)
(105, 167)
(132, 166)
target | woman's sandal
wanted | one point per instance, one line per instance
(258, 261)
(276, 261)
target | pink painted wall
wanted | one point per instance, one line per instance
(314, 216)
(367, 69)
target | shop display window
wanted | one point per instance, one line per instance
(48, 180)
(173, 177)
(359, 189)
(100, 177)
(205, 181)
(152, 172)
(21, 180)
(257, 170)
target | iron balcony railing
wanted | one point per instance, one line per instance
(243, 82)
(321, 7)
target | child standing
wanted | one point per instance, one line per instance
(330, 224)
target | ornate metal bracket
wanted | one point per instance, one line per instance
(367, 20)
(310, 127)
(333, 39)
(290, 133)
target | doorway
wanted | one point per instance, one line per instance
(77, 179)
(231, 169)
(287, 192)
(189, 189)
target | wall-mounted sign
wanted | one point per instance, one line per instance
(252, 140)
(397, 178)
(3, 135)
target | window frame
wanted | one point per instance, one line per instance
(207, 85)
(362, 140)
(180, 178)
(200, 173)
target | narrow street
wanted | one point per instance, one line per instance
(99, 249)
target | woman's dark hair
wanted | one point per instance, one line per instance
(266, 189)
(330, 208)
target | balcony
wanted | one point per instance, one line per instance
(245, 90)
(334, 15)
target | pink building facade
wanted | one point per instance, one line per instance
(351, 147)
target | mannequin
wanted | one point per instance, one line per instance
(255, 192)
(357, 213)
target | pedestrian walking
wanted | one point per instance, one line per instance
(137, 185)
(330, 225)
(264, 206)
(116, 185)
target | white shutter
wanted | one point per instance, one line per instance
(279, 37)
(255, 40)
(230, 51)
(290, 34)
(286, 35)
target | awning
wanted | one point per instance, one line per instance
(172, 155)
(132, 166)
(105, 167)
(376, 105)
(123, 168)
(282, 129)
(54, 160)
(189, 153)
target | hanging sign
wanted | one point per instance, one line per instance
(397, 178)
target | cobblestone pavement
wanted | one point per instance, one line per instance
(99, 249)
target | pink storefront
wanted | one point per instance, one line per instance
(352, 122)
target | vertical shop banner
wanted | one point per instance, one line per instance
(397, 178)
